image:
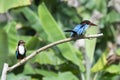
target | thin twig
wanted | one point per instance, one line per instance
(4, 72)
(51, 45)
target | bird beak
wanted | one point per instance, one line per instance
(92, 24)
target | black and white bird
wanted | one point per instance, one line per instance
(21, 50)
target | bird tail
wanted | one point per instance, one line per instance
(69, 31)
(73, 32)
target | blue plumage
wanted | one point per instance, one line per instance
(80, 28)
(16, 53)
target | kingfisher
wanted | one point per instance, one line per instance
(80, 28)
(21, 50)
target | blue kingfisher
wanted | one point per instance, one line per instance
(21, 50)
(80, 28)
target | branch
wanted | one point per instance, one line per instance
(4, 72)
(51, 45)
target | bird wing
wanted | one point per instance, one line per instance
(78, 30)
(77, 27)
(25, 52)
(82, 29)
(16, 53)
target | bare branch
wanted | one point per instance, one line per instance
(51, 45)
(4, 72)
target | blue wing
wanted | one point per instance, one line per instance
(79, 29)
(17, 53)
(76, 29)
(82, 29)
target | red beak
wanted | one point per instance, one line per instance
(92, 24)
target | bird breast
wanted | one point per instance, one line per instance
(21, 49)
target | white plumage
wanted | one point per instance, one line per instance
(21, 49)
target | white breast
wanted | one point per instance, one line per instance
(21, 49)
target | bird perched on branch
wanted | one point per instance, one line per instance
(80, 28)
(21, 50)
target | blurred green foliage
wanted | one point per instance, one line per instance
(44, 22)
(5, 5)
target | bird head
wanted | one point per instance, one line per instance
(88, 23)
(21, 42)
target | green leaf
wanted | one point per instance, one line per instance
(7, 4)
(34, 20)
(31, 46)
(62, 76)
(114, 69)
(48, 57)
(12, 76)
(55, 33)
(113, 16)
(118, 51)
(91, 43)
(90, 48)
(28, 69)
(45, 73)
(100, 5)
(101, 63)
(12, 36)
(3, 48)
